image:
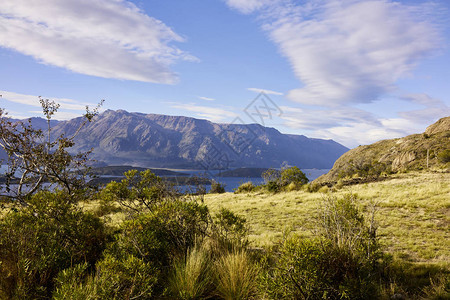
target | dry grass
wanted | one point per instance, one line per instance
(192, 275)
(413, 213)
(235, 276)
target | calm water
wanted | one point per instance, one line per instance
(232, 183)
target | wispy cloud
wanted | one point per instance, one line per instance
(247, 6)
(431, 108)
(317, 119)
(69, 108)
(268, 92)
(352, 51)
(206, 98)
(352, 126)
(214, 114)
(111, 39)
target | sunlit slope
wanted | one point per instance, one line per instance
(427, 151)
(412, 210)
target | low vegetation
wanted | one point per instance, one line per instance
(141, 238)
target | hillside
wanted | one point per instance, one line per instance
(161, 141)
(413, 152)
(412, 211)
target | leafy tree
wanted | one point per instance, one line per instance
(271, 175)
(293, 175)
(34, 158)
(139, 191)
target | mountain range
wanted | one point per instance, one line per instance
(162, 141)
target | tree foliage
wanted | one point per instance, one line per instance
(35, 158)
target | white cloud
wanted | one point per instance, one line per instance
(59, 115)
(352, 127)
(354, 134)
(268, 92)
(213, 114)
(206, 98)
(248, 6)
(351, 51)
(432, 108)
(318, 119)
(66, 105)
(111, 39)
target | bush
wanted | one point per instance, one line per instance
(293, 175)
(287, 179)
(245, 187)
(75, 283)
(273, 187)
(312, 187)
(39, 241)
(169, 231)
(230, 231)
(138, 192)
(217, 188)
(444, 156)
(126, 278)
(271, 175)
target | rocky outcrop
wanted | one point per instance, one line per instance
(413, 152)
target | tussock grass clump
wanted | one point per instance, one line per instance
(75, 283)
(235, 276)
(192, 276)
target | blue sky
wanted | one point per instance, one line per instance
(354, 71)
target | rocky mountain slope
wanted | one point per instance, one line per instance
(151, 140)
(429, 150)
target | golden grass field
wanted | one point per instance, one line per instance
(412, 212)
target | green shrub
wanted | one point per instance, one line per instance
(169, 231)
(312, 187)
(138, 192)
(444, 156)
(75, 283)
(245, 187)
(40, 240)
(217, 188)
(287, 179)
(126, 278)
(273, 187)
(230, 231)
(293, 175)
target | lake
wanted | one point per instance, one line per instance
(232, 183)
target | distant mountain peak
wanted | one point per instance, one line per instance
(119, 137)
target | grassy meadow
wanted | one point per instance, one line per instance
(412, 212)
